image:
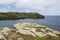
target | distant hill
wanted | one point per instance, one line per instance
(18, 15)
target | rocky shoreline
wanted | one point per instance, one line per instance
(21, 29)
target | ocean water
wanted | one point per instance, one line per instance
(49, 21)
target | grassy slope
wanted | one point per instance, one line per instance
(16, 15)
(29, 37)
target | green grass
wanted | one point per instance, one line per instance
(37, 30)
(17, 15)
(29, 37)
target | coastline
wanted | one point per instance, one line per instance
(18, 15)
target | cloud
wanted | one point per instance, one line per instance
(3, 10)
(38, 4)
(46, 7)
(43, 6)
(7, 1)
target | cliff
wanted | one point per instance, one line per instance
(29, 31)
(18, 15)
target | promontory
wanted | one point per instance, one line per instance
(20, 15)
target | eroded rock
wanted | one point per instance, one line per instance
(21, 29)
(30, 29)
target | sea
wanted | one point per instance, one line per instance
(49, 21)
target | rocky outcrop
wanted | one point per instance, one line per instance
(35, 30)
(9, 34)
(22, 31)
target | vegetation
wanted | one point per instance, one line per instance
(37, 30)
(29, 37)
(17, 15)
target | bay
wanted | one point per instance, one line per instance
(49, 21)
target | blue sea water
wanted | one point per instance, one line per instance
(50, 21)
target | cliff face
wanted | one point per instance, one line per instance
(17, 15)
(29, 31)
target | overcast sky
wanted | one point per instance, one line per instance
(45, 7)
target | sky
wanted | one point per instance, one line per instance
(44, 7)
